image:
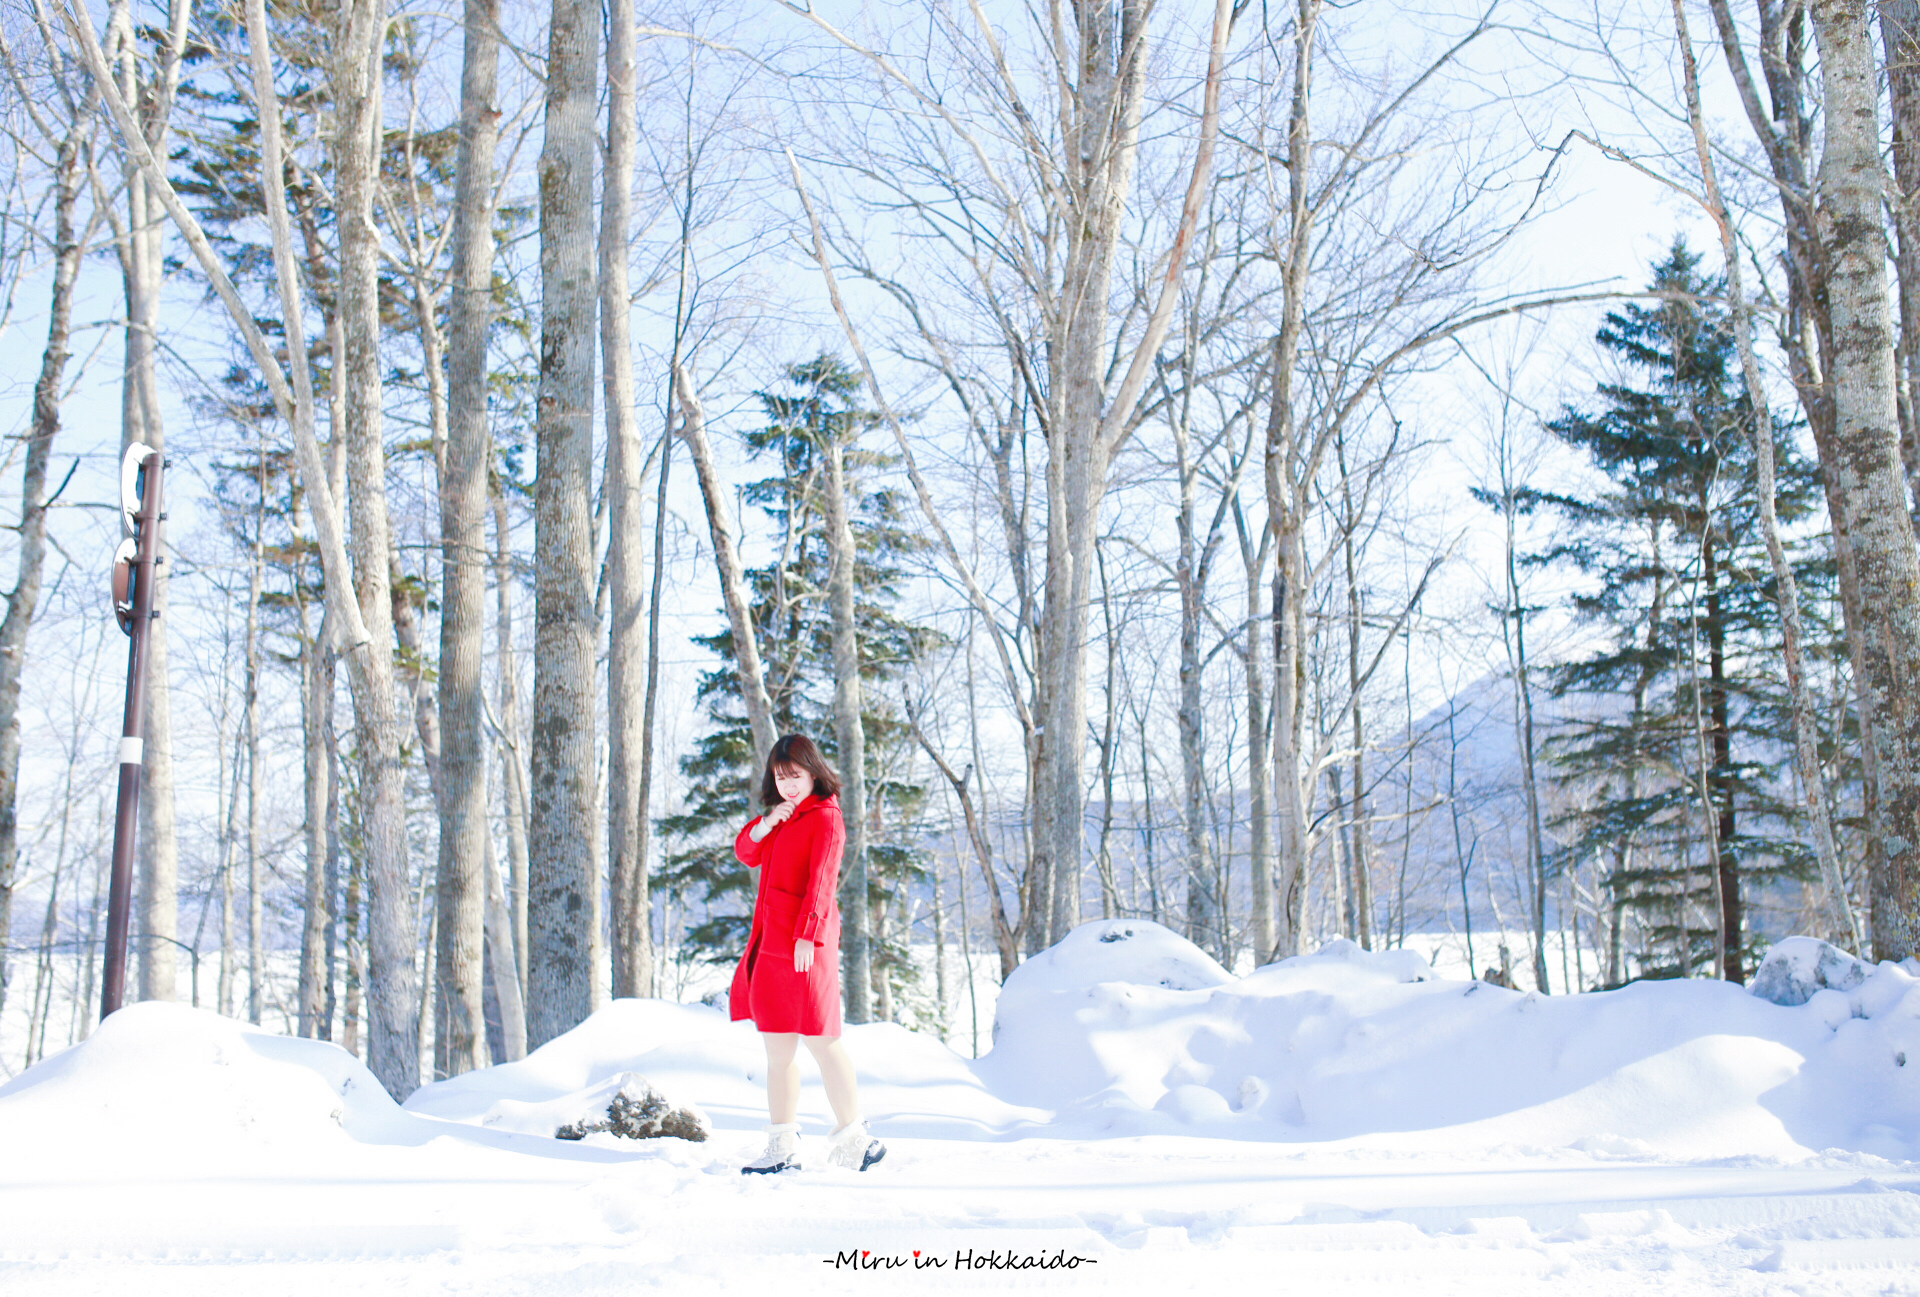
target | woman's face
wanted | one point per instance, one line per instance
(792, 782)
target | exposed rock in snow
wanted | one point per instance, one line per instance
(629, 1106)
(1799, 966)
(626, 1104)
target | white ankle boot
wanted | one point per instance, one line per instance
(854, 1149)
(783, 1151)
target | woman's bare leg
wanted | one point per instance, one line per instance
(783, 1075)
(836, 1071)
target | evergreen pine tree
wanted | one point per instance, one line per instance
(1682, 595)
(815, 405)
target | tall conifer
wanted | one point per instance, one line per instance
(1684, 711)
(815, 406)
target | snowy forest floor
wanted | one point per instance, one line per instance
(1157, 1214)
(1339, 1123)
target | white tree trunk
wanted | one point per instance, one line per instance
(1359, 822)
(1259, 670)
(1784, 128)
(726, 556)
(1102, 119)
(369, 659)
(1806, 738)
(1099, 67)
(1206, 920)
(159, 849)
(316, 705)
(630, 931)
(142, 252)
(1868, 466)
(512, 747)
(256, 935)
(1900, 39)
(561, 883)
(855, 947)
(501, 961)
(1288, 476)
(358, 39)
(23, 601)
(465, 839)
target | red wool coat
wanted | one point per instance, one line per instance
(799, 864)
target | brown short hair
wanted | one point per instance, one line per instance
(797, 750)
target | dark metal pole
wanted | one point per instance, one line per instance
(146, 525)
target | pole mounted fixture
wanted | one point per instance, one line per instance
(133, 564)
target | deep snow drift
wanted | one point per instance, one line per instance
(1137, 1097)
(1344, 1043)
(1125, 1028)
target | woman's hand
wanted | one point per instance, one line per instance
(802, 954)
(766, 823)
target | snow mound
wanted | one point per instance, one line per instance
(626, 1104)
(1131, 1027)
(1118, 950)
(910, 1084)
(167, 1075)
(654, 1038)
(1798, 967)
(1123, 1029)
(1347, 1044)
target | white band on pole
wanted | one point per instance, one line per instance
(137, 454)
(130, 751)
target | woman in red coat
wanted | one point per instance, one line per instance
(788, 981)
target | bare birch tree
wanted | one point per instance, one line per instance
(1836, 281)
(1863, 456)
(726, 557)
(1353, 316)
(512, 748)
(1088, 421)
(394, 1053)
(1787, 595)
(1287, 472)
(139, 238)
(464, 889)
(849, 735)
(71, 141)
(561, 881)
(1086, 385)
(358, 42)
(627, 673)
(1900, 42)
(317, 787)
(250, 701)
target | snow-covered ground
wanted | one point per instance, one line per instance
(1343, 1122)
